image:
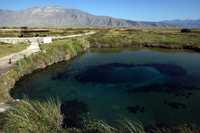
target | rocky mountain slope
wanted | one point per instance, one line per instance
(61, 17)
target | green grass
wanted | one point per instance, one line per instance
(44, 117)
(135, 37)
(32, 32)
(7, 49)
(33, 117)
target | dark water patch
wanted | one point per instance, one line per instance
(172, 86)
(125, 73)
(60, 76)
(169, 69)
(187, 95)
(175, 105)
(136, 109)
(73, 113)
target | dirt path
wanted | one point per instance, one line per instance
(71, 36)
(7, 62)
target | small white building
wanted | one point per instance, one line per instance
(47, 40)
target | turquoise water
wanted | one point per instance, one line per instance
(145, 85)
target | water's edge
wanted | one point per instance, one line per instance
(8, 80)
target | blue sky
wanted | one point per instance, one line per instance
(148, 10)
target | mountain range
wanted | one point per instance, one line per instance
(188, 23)
(56, 16)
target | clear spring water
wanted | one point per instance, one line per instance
(147, 85)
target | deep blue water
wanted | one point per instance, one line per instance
(147, 85)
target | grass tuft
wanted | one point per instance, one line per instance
(45, 117)
(34, 117)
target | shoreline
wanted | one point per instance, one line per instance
(8, 80)
(69, 57)
(161, 46)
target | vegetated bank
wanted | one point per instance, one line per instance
(62, 50)
(150, 38)
(45, 117)
(66, 49)
(58, 51)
